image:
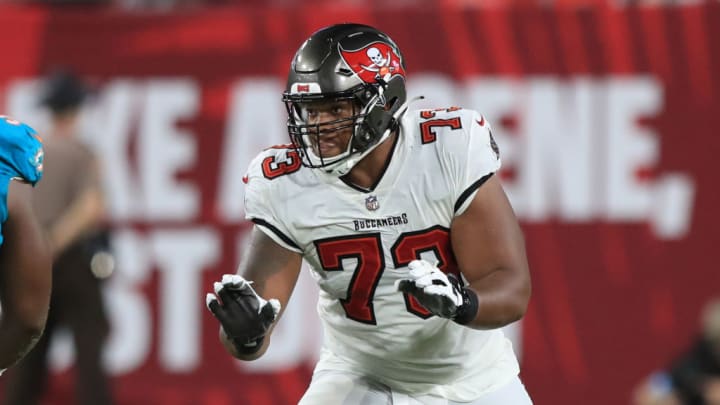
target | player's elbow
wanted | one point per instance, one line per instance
(30, 310)
(32, 331)
(35, 325)
(516, 311)
(30, 316)
(513, 311)
(515, 303)
(25, 329)
(521, 299)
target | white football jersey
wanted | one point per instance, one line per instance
(359, 242)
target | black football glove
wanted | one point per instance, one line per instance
(244, 315)
(439, 293)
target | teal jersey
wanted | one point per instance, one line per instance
(21, 158)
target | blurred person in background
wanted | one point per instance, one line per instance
(411, 198)
(694, 378)
(70, 206)
(25, 264)
(696, 374)
(657, 389)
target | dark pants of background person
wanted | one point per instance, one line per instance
(77, 304)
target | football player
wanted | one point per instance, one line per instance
(25, 271)
(407, 229)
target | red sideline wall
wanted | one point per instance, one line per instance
(621, 254)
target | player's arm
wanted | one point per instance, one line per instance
(273, 271)
(25, 277)
(485, 237)
(490, 251)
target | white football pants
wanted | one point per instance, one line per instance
(339, 388)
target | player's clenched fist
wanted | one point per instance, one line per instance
(244, 315)
(439, 293)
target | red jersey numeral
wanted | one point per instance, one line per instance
(426, 128)
(272, 168)
(368, 251)
(411, 245)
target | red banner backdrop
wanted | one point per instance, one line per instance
(607, 118)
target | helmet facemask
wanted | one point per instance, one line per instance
(361, 106)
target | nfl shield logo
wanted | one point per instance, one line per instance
(371, 203)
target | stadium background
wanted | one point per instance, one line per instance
(607, 120)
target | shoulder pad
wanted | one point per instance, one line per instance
(21, 153)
